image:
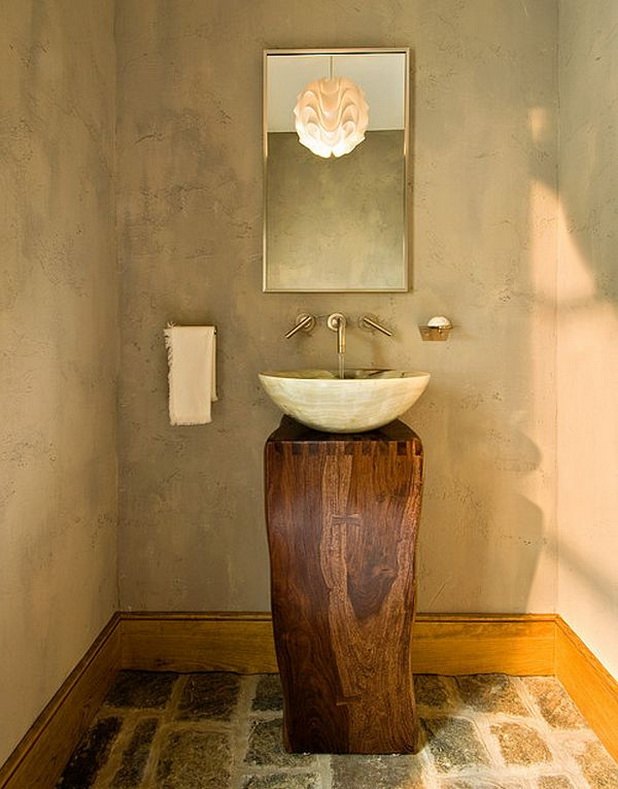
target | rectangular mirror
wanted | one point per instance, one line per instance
(336, 223)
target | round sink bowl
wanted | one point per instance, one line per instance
(362, 400)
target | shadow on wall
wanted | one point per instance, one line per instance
(489, 504)
(496, 534)
(506, 532)
(586, 209)
(587, 319)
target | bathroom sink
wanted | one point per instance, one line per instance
(362, 400)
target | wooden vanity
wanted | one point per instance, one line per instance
(342, 516)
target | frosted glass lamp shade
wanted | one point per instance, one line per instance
(331, 116)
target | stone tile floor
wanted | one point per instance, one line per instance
(223, 731)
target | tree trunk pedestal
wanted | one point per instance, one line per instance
(342, 516)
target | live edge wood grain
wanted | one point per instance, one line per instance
(40, 757)
(342, 517)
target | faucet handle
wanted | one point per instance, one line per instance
(304, 322)
(337, 322)
(370, 322)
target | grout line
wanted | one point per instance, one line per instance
(112, 764)
(324, 771)
(242, 728)
(149, 778)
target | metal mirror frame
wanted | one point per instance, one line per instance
(406, 262)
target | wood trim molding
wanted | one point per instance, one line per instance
(483, 644)
(243, 642)
(592, 688)
(40, 757)
(240, 642)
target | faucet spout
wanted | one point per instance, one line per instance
(337, 322)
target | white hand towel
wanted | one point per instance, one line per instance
(192, 384)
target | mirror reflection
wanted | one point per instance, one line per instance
(335, 146)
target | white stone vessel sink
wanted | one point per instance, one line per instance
(363, 400)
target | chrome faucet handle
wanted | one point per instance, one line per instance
(304, 322)
(370, 322)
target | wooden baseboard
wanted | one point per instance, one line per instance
(441, 644)
(240, 642)
(475, 644)
(40, 757)
(590, 686)
(527, 644)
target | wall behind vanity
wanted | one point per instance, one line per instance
(484, 161)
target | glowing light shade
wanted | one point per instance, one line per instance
(331, 116)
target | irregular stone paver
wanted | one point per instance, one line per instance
(141, 689)
(598, 767)
(491, 693)
(193, 759)
(455, 744)
(266, 746)
(213, 695)
(521, 744)
(90, 755)
(554, 782)
(553, 701)
(430, 691)
(282, 781)
(269, 694)
(376, 772)
(135, 756)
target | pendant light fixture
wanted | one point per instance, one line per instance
(331, 115)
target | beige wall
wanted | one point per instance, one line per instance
(58, 347)
(192, 532)
(588, 325)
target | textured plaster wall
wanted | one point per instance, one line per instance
(588, 325)
(58, 347)
(192, 532)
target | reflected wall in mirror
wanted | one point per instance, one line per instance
(338, 223)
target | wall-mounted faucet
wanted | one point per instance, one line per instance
(337, 322)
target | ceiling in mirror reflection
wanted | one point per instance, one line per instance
(382, 76)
